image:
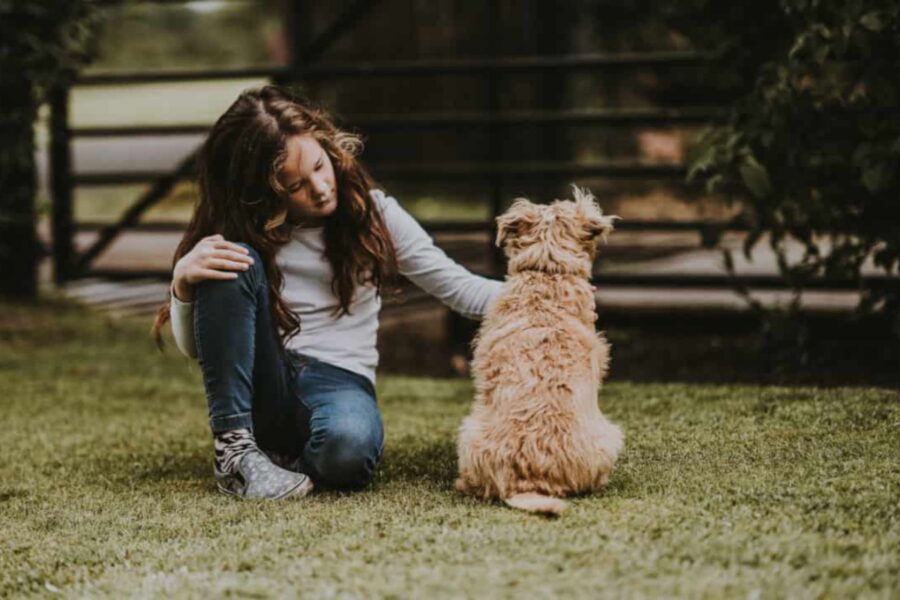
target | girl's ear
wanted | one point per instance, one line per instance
(515, 221)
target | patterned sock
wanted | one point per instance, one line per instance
(230, 447)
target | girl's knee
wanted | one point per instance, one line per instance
(247, 280)
(348, 456)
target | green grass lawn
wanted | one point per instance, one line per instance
(730, 491)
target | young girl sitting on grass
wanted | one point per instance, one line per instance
(276, 291)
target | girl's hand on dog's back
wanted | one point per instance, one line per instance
(211, 258)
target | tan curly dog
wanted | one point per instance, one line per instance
(536, 433)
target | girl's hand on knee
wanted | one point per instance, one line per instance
(211, 258)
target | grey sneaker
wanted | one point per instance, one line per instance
(255, 476)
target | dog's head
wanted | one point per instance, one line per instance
(560, 237)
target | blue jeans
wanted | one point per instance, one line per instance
(296, 405)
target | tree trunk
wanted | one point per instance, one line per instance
(18, 240)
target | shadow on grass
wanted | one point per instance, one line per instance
(175, 467)
(433, 462)
(717, 349)
(409, 459)
(416, 459)
(7, 494)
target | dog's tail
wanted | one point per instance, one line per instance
(537, 503)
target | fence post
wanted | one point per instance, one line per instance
(552, 22)
(460, 330)
(298, 19)
(61, 185)
(18, 239)
(495, 139)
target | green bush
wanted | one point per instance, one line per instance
(812, 145)
(42, 45)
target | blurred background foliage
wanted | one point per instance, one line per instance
(42, 46)
(215, 34)
(813, 138)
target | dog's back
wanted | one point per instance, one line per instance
(540, 333)
(534, 426)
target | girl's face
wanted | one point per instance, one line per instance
(308, 178)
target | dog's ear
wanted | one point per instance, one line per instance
(596, 224)
(600, 226)
(584, 201)
(519, 217)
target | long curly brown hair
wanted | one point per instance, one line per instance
(242, 199)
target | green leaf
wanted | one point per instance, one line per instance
(876, 177)
(873, 21)
(755, 177)
(714, 183)
(704, 161)
(733, 140)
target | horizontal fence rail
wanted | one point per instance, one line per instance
(769, 282)
(522, 169)
(458, 226)
(472, 67)
(627, 117)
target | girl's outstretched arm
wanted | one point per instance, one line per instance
(430, 268)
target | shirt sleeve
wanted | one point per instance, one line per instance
(182, 319)
(430, 268)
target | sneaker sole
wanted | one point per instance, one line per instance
(300, 490)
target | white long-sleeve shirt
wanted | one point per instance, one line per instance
(349, 341)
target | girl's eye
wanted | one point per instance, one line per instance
(318, 166)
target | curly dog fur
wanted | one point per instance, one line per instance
(535, 433)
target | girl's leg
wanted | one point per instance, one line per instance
(246, 374)
(346, 436)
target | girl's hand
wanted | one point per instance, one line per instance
(211, 258)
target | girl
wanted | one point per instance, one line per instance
(276, 291)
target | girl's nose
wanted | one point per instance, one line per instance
(320, 186)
